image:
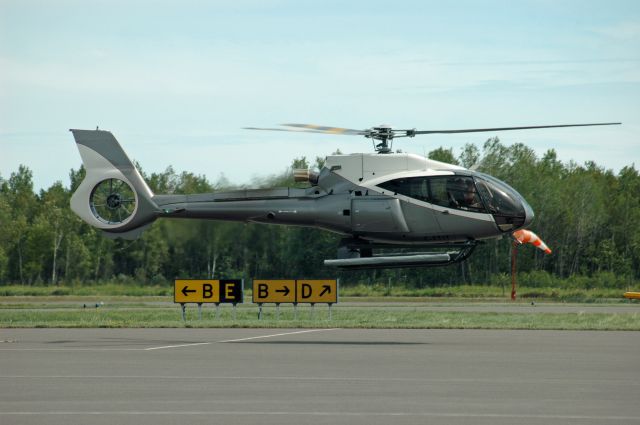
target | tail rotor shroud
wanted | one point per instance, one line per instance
(113, 196)
(112, 201)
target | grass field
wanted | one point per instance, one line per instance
(342, 319)
(378, 291)
(369, 312)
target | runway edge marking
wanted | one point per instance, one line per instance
(236, 340)
(280, 334)
(176, 346)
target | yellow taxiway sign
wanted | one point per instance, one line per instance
(317, 291)
(207, 291)
(295, 291)
(274, 291)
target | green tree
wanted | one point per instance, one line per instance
(443, 155)
(18, 193)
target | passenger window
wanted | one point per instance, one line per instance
(413, 187)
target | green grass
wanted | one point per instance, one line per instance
(109, 289)
(488, 292)
(151, 306)
(472, 292)
(343, 317)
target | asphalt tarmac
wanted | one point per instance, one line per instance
(318, 376)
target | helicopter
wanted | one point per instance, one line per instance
(391, 209)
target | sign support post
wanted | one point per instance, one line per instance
(330, 304)
(184, 311)
(260, 311)
(199, 311)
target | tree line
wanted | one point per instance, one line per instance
(588, 215)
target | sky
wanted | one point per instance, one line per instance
(176, 81)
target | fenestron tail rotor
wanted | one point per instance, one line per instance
(112, 201)
(385, 134)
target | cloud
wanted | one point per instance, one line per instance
(626, 31)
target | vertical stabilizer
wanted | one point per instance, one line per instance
(113, 196)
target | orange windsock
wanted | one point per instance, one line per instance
(527, 236)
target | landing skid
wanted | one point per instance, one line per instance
(360, 256)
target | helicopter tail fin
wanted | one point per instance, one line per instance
(113, 195)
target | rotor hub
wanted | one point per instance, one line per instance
(385, 134)
(114, 201)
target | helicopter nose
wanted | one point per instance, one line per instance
(528, 214)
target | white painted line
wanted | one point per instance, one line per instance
(164, 346)
(176, 346)
(302, 378)
(563, 417)
(71, 349)
(281, 334)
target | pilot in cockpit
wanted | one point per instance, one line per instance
(462, 194)
(471, 199)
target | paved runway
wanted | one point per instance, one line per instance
(329, 376)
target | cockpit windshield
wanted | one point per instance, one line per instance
(506, 205)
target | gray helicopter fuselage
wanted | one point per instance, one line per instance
(350, 198)
(377, 202)
(384, 198)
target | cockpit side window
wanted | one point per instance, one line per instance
(439, 196)
(457, 192)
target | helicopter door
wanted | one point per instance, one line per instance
(420, 218)
(377, 216)
(458, 208)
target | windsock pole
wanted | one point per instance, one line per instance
(514, 254)
(520, 237)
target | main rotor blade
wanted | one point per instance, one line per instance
(478, 130)
(282, 129)
(329, 130)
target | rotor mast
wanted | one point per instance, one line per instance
(384, 134)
